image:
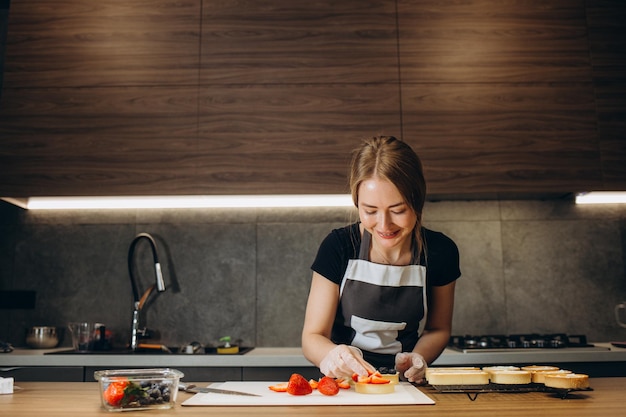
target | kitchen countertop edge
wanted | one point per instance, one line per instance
(293, 357)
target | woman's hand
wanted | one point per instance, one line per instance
(411, 365)
(344, 361)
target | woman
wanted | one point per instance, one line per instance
(382, 291)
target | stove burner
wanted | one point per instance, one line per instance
(519, 341)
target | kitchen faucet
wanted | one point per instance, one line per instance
(137, 301)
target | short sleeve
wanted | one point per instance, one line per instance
(335, 251)
(442, 262)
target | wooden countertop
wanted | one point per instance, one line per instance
(59, 399)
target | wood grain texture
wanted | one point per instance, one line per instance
(607, 40)
(486, 41)
(138, 140)
(82, 398)
(241, 96)
(505, 138)
(294, 139)
(286, 41)
(105, 141)
(72, 43)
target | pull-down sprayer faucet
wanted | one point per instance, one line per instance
(159, 285)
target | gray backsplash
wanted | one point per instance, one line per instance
(528, 266)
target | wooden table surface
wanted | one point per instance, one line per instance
(52, 399)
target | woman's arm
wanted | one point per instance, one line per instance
(434, 338)
(320, 314)
(438, 328)
(333, 360)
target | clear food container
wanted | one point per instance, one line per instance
(138, 389)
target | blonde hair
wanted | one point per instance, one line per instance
(391, 159)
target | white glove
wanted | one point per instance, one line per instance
(344, 361)
(412, 365)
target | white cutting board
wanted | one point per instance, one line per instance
(405, 393)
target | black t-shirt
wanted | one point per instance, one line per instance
(341, 245)
(441, 260)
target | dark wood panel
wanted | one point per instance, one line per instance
(143, 140)
(4, 19)
(98, 141)
(121, 98)
(286, 41)
(291, 139)
(77, 43)
(327, 111)
(607, 40)
(505, 138)
(274, 174)
(613, 148)
(487, 41)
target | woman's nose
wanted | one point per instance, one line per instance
(384, 219)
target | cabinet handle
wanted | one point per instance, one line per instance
(10, 369)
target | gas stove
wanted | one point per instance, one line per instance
(529, 341)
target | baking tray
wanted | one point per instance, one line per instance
(472, 391)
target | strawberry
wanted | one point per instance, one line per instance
(298, 385)
(328, 386)
(377, 378)
(365, 379)
(115, 392)
(313, 383)
(342, 383)
(280, 387)
(372, 378)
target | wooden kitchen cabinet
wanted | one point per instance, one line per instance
(201, 98)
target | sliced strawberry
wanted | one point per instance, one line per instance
(359, 378)
(377, 378)
(298, 385)
(280, 387)
(328, 386)
(364, 379)
(313, 383)
(342, 383)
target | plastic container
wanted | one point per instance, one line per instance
(138, 389)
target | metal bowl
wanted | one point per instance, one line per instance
(42, 337)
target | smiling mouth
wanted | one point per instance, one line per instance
(387, 235)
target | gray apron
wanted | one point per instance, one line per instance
(382, 305)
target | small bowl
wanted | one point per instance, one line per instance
(138, 389)
(42, 337)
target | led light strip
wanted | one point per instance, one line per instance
(601, 197)
(181, 202)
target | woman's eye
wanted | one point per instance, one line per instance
(370, 213)
(398, 212)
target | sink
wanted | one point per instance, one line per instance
(173, 351)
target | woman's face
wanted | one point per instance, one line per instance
(384, 213)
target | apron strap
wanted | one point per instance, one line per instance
(365, 246)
